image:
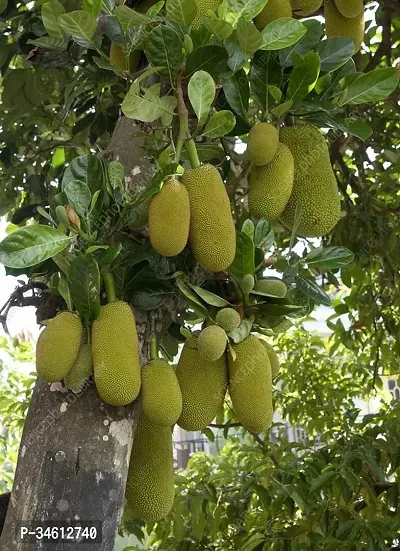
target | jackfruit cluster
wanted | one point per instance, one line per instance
(212, 343)
(116, 354)
(271, 286)
(169, 219)
(161, 395)
(58, 347)
(262, 143)
(336, 24)
(273, 358)
(203, 7)
(203, 385)
(350, 8)
(81, 370)
(150, 487)
(274, 9)
(306, 7)
(228, 318)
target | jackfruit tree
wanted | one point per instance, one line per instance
(147, 234)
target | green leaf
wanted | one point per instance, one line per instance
(245, 9)
(79, 197)
(116, 174)
(87, 169)
(329, 258)
(304, 76)
(128, 18)
(58, 158)
(164, 48)
(322, 480)
(50, 14)
(264, 235)
(335, 52)
(265, 72)
(220, 124)
(314, 34)
(282, 33)
(249, 37)
(64, 292)
(146, 108)
(221, 29)
(32, 245)
(237, 92)
(50, 43)
(92, 6)
(282, 109)
(248, 227)
(244, 259)
(192, 299)
(373, 86)
(79, 23)
(209, 298)
(182, 12)
(84, 286)
(212, 59)
(311, 289)
(242, 332)
(201, 92)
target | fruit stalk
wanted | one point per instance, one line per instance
(108, 279)
(183, 134)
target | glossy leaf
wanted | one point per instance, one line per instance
(245, 9)
(79, 197)
(335, 52)
(373, 86)
(249, 37)
(212, 59)
(201, 92)
(329, 258)
(209, 298)
(220, 124)
(304, 76)
(282, 33)
(129, 18)
(311, 289)
(84, 286)
(182, 12)
(244, 259)
(50, 14)
(164, 48)
(237, 92)
(80, 23)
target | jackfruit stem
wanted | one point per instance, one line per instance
(108, 279)
(153, 341)
(183, 134)
(192, 153)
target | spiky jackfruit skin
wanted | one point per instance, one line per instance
(273, 358)
(262, 143)
(275, 9)
(212, 343)
(81, 369)
(203, 6)
(150, 487)
(306, 7)
(229, 319)
(212, 231)
(350, 8)
(271, 286)
(250, 385)
(115, 352)
(161, 395)
(58, 347)
(203, 385)
(338, 25)
(315, 186)
(270, 186)
(169, 219)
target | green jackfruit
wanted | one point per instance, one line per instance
(306, 7)
(275, 9)
(248, 284)
(203, 7)
(212, 231)
(315, 186)
(273, 358)
(116, 354)
(212, 343)
(161, 395)
(81, 369)
(270, 186)
(150, 490)
(250, 385)
(338, 25)
(262, 143)
(128, 63)
(229, 319)
(169, 219)
(203, 385)
(271, 286)
(58, 347)
(350, 8)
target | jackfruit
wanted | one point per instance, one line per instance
(229, 319)
(274, 9)
(212, 343)
(250, 385)
(350, 8)
(161, 395)
(248, 284)
(150, 490)
(116, 354)
(273, 358)
(315, 187)
(81, 369)
(271, 286)
(262, 143)
(306, 7)
(169, 219)
(124, 62)
(338, 25)
(58, 346)
(212, 231)
(270, 186)
(203, 385)
(203, 7)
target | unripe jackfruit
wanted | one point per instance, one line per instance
(275, 9)
(315, 187)
(58, 347)
(248, 283)
(250, 385)
(161, 395)
(270, 186)
(262, 143)
(212, 231)
(338, 25)
(203, 385)
(212, 343)
(273, 358)
(229, 319)
(350, 8)
(203, 7)
(116, 354)
(271, 286)
(150, 490)
(81, 369)
(306, 7)
(169, 219)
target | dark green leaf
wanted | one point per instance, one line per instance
(313, 36)
(84, 286)
(209, 298)
(265, 71)
(130, 18)
(237, 92)
(335, 52)
(282, 33)
(79, 197)
(329, 258)
(373, 86)
(212, 59)
(312, 290)
(80, 23)
(50, 14)
(164, 48)
(304, 76)
(244, 259)
(182, 12)
(249, 37)
(323, 479)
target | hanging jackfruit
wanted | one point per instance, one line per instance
(271, 286)
(116, 354)
(228, 318)
(212, 231)
(270, 186)
(262, 143)
(306, 7)
(273, 358)
(350, 8)
(203, 385)
(203, 7)
(58, 347)
(150, 487)
(315, 188)
(161, 395)
(250, 385)
(169, 219)
(338, 25)
(81, 369)
(274, 9)
(212, 343)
